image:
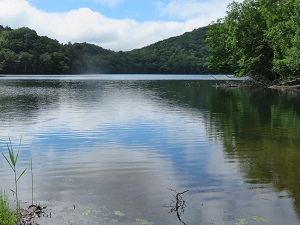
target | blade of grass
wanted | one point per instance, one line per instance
(7, 216)
(21, 174)
(11, 156)
(11, 152)
(8, 162)
(30, 165)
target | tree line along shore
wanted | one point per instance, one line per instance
(256, 38)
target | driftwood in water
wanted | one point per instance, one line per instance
(227, 84)
(178, 205)
(291, 84)
(262, 82)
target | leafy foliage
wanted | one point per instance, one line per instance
(257, 37)
(22, 51)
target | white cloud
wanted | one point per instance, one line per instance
(85, 25)
(192, 9)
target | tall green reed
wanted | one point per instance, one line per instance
(31, 169)
(12, 161)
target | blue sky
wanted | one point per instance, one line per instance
(112, 24)
(138, 10)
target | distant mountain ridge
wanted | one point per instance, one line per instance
(22, 51)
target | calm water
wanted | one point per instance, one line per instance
(108, 149)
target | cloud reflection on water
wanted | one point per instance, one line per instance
(122, 146)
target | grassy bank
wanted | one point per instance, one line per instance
(7, 215)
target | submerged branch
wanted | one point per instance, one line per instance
(179, 204)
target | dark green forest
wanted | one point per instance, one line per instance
(258, 38)
(22, 51)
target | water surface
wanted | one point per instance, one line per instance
(107, 150)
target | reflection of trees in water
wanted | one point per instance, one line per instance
(261, 129)
(26, 98)
(178, 205)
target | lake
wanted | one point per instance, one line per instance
(116, 149)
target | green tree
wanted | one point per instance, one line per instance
(257, 37)
(283, 35)
(45, 63)
(25, 62)
(8, 61)
(243, 46)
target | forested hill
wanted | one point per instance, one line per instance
(22, 51)
(185, 54)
